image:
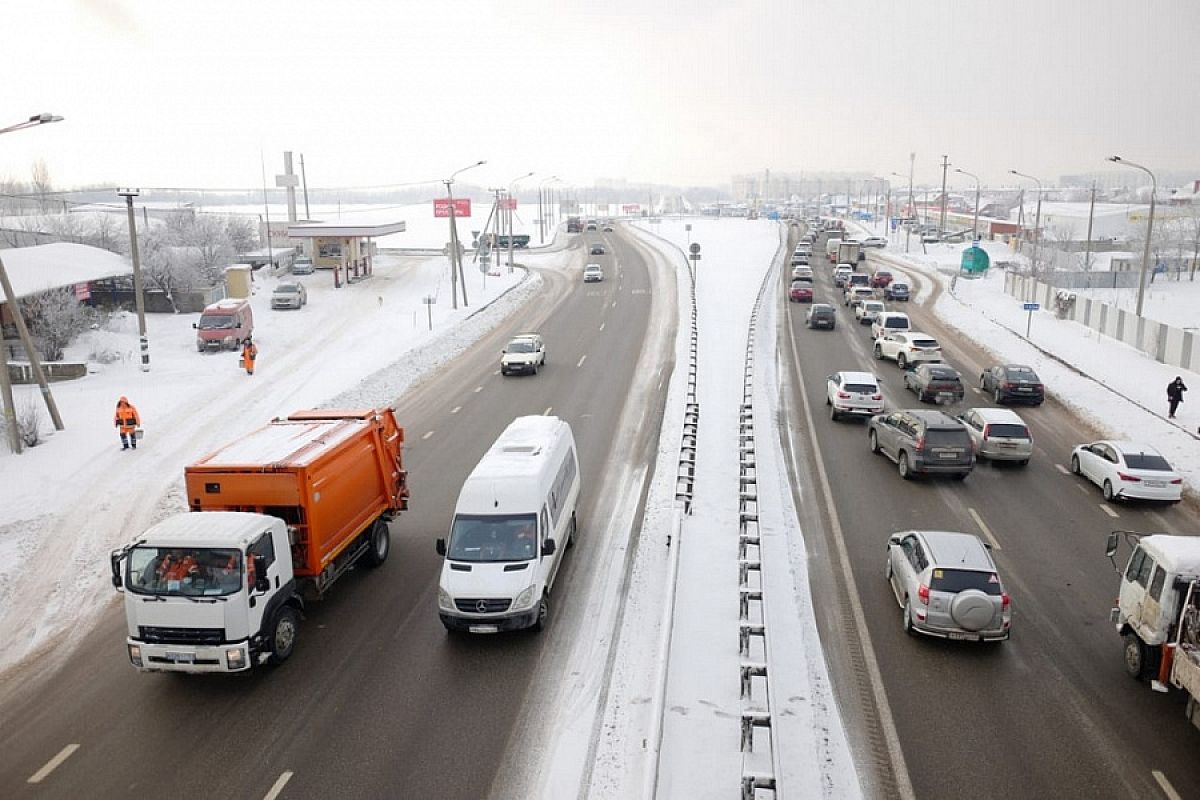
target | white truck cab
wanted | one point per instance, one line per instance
(202, 591)
(514, 519)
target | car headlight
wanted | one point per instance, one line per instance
(524, 600)
(235, 657)
(445, 602)
(135, 655)
(228, 340)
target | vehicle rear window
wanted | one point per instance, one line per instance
(1019, 374)
(924, 342)
(1008, 430)
(946, 438)
(1147, 461)
(895, 322)
(861, 388)
(943, 375)
(958, 580)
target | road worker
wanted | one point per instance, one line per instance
(249, 353)
(127, 421)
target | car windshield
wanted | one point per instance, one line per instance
(217, 322)
(487, 538)
(861, 388)
(1150, 461)
(287, 288)
(959, 580)
(943, 374)
(184, 571)
(520, 347)
(1021, 374)
(899, 287)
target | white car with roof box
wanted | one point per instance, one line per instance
(855, 394)
(514, 520)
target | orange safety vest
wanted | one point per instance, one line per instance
(127, 416)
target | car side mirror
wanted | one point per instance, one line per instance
(549, 547)
(262, 582)
(894, 539)
(196, 325)
(440, 545)
(1114, 541)
(114, 559)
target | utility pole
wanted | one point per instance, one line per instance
(35, 363)
(1087, 247)
(304, 181)
(942, 221)
(912, 203)
(138, 298)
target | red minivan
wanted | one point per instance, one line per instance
(224, 325)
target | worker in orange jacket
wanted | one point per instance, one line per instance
(249, 353)
(127, 421)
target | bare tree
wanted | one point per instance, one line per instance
(243, 233)
(54, 318)
(215, 251)
(42, 186)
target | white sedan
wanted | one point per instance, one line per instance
(1127, 470)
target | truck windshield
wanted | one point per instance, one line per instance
(216, 322)
(184, 571)
(493, 537)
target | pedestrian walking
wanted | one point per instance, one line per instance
(127, 421)
(1175, 390)
(249, 354)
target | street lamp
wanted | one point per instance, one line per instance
(975, 224)
(912, 209)
(455, 256)
(139, 300)
(1149, 227)
(512, 200)
(1037, 224)
(6, 396)
(542, 205)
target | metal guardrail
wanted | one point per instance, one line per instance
(685, 478)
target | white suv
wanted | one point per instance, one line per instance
(593, 273)
(908, 348)
(890, 322)
(525, 353)
(853, 394)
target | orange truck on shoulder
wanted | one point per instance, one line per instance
(275, 518)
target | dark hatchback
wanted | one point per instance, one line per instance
(1013, 383)
(821, 315)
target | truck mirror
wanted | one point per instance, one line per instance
(548, 547)
(115, 562)
(196, 325)
(262, 583)
(1114, 541)
(894, 539)
(440, 544)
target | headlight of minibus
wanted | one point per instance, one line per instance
(445, 602)
(524, 600)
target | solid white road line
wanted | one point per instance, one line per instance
(1062, 469)
(456, 409)
(497, 372)
(1165, 785)
(427, 435)
(1104, 507)
(278, 787)
(987, 532)
(582, 359)
(52, 764)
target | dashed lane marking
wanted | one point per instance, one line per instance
(456, 409)
(987, 532)
(427, 435)
(582, 359)
(1062, 469)
(53, 764)
(278, 787)
(1104, 507)
(478, 389)
(602, 326)
(1165, 785)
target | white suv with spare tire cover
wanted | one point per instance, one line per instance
(908, 348)
(948, 586)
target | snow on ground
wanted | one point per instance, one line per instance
(1116, 387)
(65, 503)
(701, 707)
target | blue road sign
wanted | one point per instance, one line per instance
(1032, 306)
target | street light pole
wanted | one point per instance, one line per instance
(139, 299)
(512, 200)
(35, 120)
(542, 207)
(1149, 227)
(1037, 225)
(912, 202)
(455, 256)
(975, 224)
(942, 219)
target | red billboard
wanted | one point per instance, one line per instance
(631, 208)
(508, 203)
(462, 207)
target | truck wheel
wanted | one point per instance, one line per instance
(379, 545)
(543, 614)
(283, 634)
(1141, 662)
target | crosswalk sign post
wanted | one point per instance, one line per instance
(1030, 308)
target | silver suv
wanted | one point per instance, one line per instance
(922, 442)
(948, 586)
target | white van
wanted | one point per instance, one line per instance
(831, 248)
(514, 519)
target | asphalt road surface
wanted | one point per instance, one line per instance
(378, 701)
(1049, 713)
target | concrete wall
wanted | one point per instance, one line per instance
(1162, 342)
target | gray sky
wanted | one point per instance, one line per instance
(165, 93)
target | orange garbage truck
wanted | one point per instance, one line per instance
(275, 518)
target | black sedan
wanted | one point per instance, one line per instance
(1013, 383)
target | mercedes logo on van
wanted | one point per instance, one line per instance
(481, 606)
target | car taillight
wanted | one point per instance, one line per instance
(923, 594)
(987, 431)
(876, 397)
(1005, 385)
(843, 396)
(1004, 601)
(1125, 477)
(1177, 481)
(919, 445)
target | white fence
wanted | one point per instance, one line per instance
(1160, 341)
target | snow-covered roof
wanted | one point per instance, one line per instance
(285, 442)
(208, 529)
(1181, 552)
(49, 266)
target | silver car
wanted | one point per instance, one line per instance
(998, 434)
(922, 442)
(289, 295)
(948, 586)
